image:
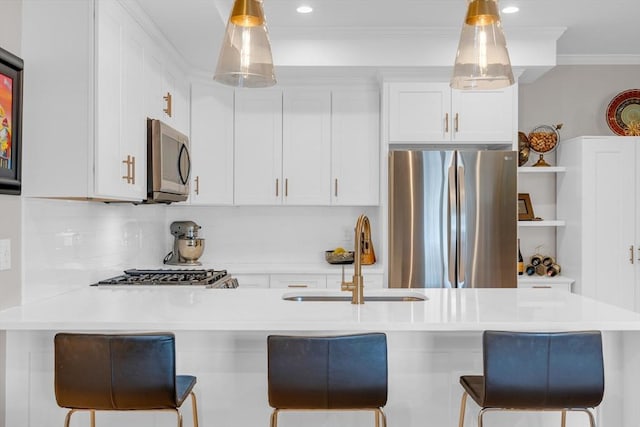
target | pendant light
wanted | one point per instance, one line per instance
(245, 57)
(482, 60)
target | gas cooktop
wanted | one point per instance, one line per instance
(175, 277)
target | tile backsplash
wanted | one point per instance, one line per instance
(70, 244)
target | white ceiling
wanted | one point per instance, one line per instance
(605, 31)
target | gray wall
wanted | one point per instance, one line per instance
(575, 95)
(10, 206)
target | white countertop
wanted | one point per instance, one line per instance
(200, 309)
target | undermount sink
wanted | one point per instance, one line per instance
(389, 296)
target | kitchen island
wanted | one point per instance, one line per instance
(221, 338)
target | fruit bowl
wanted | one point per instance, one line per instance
(345, 257)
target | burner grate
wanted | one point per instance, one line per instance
(209, 278)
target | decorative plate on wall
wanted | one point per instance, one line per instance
(623, 111)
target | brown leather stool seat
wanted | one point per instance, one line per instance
(328, 373)
(538, 371)
(125, 372)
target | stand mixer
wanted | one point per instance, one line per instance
(187, 247)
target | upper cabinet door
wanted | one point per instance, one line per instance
(419, 112)
(484, 115)
(306, 147)
(258, 147)
(120, 148)
(355, 148)
(211, 144)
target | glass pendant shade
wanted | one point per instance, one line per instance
(482, 60)
(245, 56)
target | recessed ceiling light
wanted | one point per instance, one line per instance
(304, 9)
(510, 9)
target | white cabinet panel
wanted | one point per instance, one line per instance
(211, 144)
(355, 147)
(306, 147)
(252, 280)
(419, 112)
(258, 147)
(293, 281)
(434, 113)
(597, 198)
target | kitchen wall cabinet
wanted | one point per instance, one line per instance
(166, 92)
(355, 148)
(434, 113)
(598, 197)
(85, 101)
(282, 147)
(258, 147)
(306, 146)
(211, 145)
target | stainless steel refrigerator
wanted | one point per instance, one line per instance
(452, 219)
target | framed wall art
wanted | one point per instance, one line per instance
(11, 68)
(525, 210)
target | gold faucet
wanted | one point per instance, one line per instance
(356, 286)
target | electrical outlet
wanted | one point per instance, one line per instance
(5, 254)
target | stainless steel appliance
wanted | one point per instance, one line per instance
(208, 278)
(452, 219)
(187, 246)
(168, 163)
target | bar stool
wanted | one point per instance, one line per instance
(105, 372)
(328, 373)
(537, 372)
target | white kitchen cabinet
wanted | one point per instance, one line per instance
(355, 148)
(434, 113)
(282, 147)
(544, 282)
(211, 144)
(599, 199)
(85, 100)
(295, 281)
(246, 281)
(306, 146)
(258, 147)
(166, 92)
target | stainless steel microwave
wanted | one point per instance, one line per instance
(168, 163)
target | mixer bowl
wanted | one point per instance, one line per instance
(190, 250)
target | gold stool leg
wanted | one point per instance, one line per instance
(194, 407)
(274, 418)
(93, 418)
(179, 414)
(563, 420)
(463, 406)
(380, 414)
(67, 419)
(592, 419)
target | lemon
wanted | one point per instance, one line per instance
(338, 251)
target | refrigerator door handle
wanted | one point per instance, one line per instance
(452, 217)
(462, 240)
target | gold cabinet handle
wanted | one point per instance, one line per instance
(167, 99)
(197, 185)
(541, 287)
(456, 127)
(133, 170)
(131, 164)
(631, 254)
(336, 188)
(277, 187)
(297, 286)
(446, 123)
(286, 187)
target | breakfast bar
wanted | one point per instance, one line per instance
(221, 338)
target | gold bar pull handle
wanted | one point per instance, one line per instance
(197, 185)
(167, 99)
(128, 175)
(631, 254)
(277, 187)
(456, 127)
(446, 123)
(286, 187)
(133, 170)
(336, 188)
(638, 254)
(297, 286)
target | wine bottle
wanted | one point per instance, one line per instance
(520, 261)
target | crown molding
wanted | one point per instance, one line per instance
(598, 60)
